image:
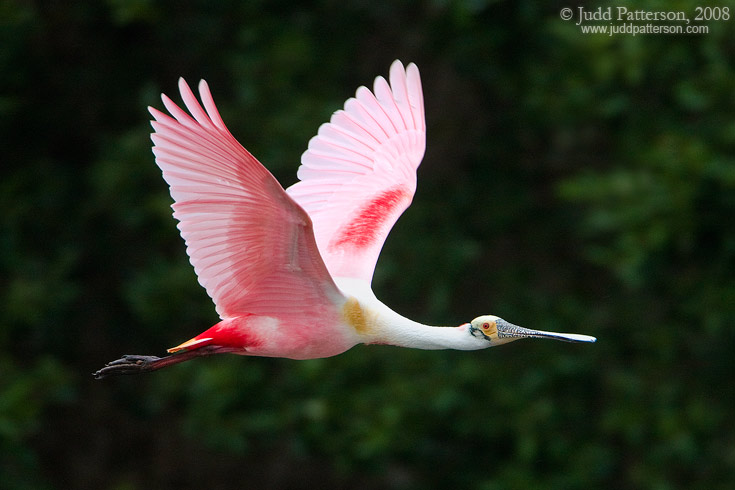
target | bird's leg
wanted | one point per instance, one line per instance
(134, 364)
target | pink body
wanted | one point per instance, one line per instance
(253, 335)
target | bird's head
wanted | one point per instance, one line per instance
(497, 332)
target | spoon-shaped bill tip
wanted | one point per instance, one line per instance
(575, 337)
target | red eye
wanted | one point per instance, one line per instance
(485, 326)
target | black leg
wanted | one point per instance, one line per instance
(134, 364)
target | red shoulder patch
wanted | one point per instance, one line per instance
(363, 230)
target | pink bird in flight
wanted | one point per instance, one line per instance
(289, 271)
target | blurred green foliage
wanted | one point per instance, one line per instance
(571, 182)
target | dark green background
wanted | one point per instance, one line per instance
(571, 182)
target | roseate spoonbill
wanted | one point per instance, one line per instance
(290, 270)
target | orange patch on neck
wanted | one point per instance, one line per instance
(355, 316)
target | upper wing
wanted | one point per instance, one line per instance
(251, 245)
(359, 173)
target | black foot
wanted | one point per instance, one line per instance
(130, 364)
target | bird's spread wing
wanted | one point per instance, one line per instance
(252, 247)
(359, 173)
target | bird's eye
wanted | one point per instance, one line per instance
(485, 326)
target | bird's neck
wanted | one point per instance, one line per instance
(394, 329)
(375, 323)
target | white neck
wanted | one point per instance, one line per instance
(388, 327)
(398, 330)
